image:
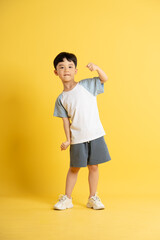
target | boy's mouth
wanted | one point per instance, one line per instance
(67, 75)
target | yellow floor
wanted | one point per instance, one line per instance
(124, 217)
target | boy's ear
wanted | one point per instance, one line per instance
(76, 70)
(55, 71)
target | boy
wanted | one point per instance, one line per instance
(85, 134)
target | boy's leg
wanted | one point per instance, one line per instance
(71, 180)
(93, 179)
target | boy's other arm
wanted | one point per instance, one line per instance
(66, 125)
(93, 67)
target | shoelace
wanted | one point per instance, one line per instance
(62, 197)
(95, 197)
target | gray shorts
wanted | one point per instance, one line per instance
(89, 153)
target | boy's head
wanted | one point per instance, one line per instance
(69, 56)
(65, 66)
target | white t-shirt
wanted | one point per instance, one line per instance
(80, 105)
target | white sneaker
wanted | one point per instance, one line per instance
(95, 202)
(63, 203)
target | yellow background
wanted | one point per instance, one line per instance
(122, 38)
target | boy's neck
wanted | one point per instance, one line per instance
(69, 85)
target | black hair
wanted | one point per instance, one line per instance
(69, 56)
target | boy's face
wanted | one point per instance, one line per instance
(66, 70)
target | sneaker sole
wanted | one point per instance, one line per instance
(56, 208)
(89, 206)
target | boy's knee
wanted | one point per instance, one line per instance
(74, 169)
(93, 167)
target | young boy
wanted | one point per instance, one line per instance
(85, 133)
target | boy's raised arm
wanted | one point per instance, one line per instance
(66, 125)
(102, 75)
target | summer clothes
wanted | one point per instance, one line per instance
(80, 105)
(89, 153)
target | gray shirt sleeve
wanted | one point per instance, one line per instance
(93, 85)
(59, 110)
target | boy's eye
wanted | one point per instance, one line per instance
(69, 67)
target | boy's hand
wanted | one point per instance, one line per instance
(64, 145)
(92, 67)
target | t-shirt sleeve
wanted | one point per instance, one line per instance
(59, 110)
(93, 85)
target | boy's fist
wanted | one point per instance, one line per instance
(92, 66)
(64, 145)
